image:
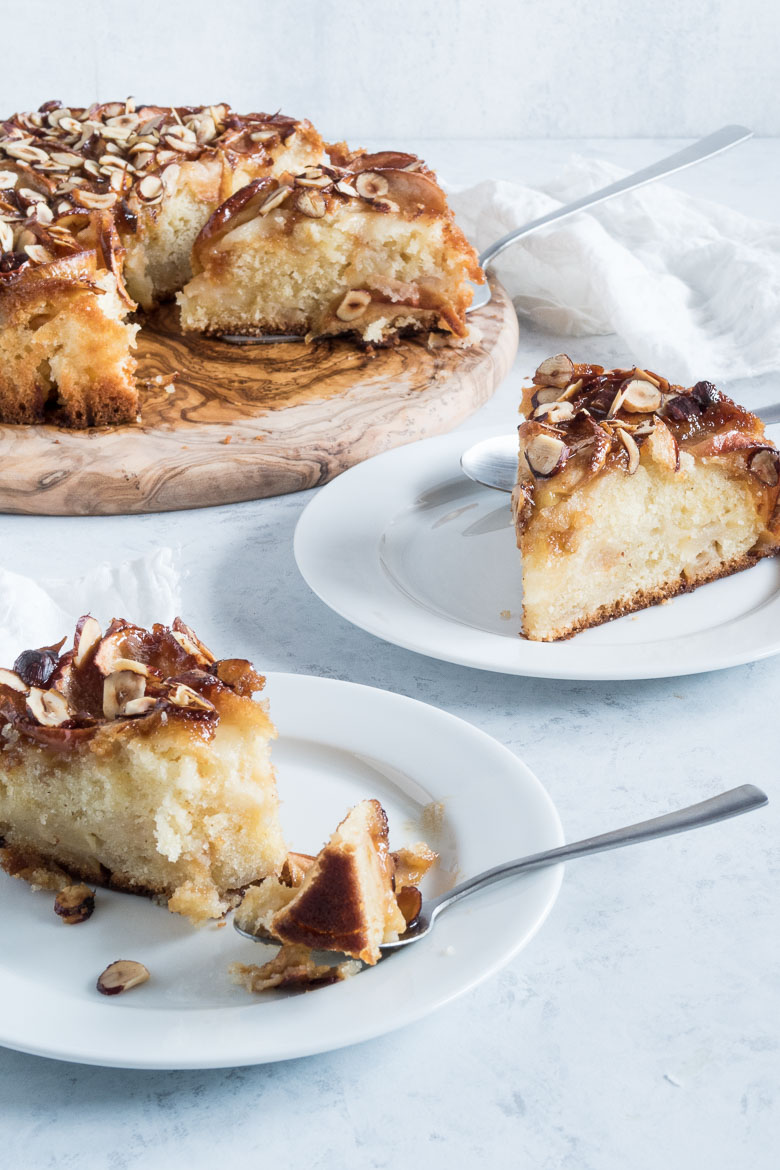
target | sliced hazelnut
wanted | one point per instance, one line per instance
(88, 634)
(120, 664)
(353, 305)
(275, 199)
(94, 200)
(49, 708)
(121, 976)
(150, 189)
(190, 642)
(139, 706)
(765, 465)
(545, 454)
(544, 395)
(640, 396)
(313, 177)
(371, 185)
(38, 253)
(75, 904)
(184, 696)
(554, 412)
(110, 655)
(555, 371)
(631, 450)
(311, 203)
(346, 189)
(10, 679)
(120, 688)
(616, 403)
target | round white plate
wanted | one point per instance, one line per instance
(408, 548)
(338, 743)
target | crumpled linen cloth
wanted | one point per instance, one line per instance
(38, 613)
(691, 288)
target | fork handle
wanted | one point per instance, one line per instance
(718, 808)
(722, 139)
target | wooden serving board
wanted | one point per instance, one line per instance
(245, 422)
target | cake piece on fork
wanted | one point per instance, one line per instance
(631, 490)
(137, 761)
(346, 898)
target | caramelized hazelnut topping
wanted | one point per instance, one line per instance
(75, 904)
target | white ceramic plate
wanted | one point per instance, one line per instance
(406, 547)
(338, 742)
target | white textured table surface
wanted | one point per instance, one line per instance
(641, 1027)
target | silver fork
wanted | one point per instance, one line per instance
(713, 144)
(707, 812)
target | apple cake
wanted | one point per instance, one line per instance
(108, 208)
(631, 490)
(136, 760)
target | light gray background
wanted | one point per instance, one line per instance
(430, 68)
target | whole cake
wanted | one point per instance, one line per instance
(631, 490)
(136, 760)
(100, 209)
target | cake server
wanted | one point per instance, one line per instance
(707, 812)
(697, 152)
(493, 462)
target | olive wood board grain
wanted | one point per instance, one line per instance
(244, 422)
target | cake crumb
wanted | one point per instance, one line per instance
(505, 614)
(226, 439)
(432, 816)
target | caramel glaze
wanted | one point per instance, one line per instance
(700, 420)
(169, 665)
(411, 189)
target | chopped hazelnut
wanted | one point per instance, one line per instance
(75, 904)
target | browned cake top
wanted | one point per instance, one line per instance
(581, 418)
(59, 163)
(127, 675)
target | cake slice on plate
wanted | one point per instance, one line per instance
(368, 248)
(136, 761)
(631, 490)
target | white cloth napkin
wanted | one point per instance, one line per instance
(692, 288)
(38, 613)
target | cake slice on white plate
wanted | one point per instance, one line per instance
(631, 490)
(136, 760)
